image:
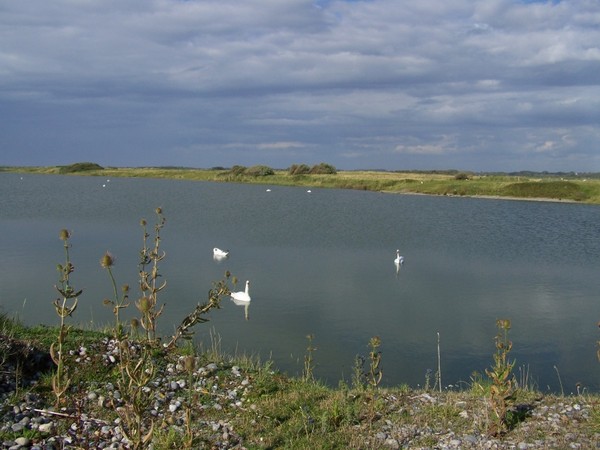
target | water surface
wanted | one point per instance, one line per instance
(321, 263)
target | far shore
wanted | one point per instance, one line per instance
(539, 187)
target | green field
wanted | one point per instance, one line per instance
(571, 187)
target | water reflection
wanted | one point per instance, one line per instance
(397, 269)
(245, 304)
(219, 259)
(471, 262)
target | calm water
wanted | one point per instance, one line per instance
(322, 264)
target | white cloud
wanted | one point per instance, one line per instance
(342, 78)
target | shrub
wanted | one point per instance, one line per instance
(259, 171)
(238, 170)
(80, 167)
(462, 176)
(298, 169)
(323, 168)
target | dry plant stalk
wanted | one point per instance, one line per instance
(149, 279)
(64, 307)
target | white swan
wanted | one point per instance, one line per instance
(220, 253)
(399, 259)
(242, 296)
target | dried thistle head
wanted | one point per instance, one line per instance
(144, 304)
(159, 210)
(64, 234)
(135, 323)
(107, 260)
(143, 222)
(125, 288)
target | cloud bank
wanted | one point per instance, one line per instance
(383, 84)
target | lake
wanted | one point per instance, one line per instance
(321, 264)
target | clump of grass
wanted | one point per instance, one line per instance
(546, 189)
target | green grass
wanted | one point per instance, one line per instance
(577, 189)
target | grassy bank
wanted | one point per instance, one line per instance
(572, 188)
(206, 399)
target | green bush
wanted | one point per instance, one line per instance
(323, 168)
(462, 176)
(238, 170)
(80, 167)
(259, 171)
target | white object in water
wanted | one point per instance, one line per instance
(399, 259)
(220, 253)
(242, 296)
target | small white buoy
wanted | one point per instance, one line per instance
(268, 190)
(309, 191)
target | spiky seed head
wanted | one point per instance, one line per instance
(144, 304)
(107, 260)
(135, 323)
(143, 222)
(64, 234)
(159, 210)
(125, 288)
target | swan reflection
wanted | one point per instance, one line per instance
(245, 304)
(398, 267)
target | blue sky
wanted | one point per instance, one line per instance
(491, 85)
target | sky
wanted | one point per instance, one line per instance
(478, 85)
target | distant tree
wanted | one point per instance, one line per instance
(80, 167)
(298, 169)
(323, 168)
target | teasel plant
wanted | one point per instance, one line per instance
(117, 303)
(375, 374)
(137, 370)
(184, 330)
(149, 278)
(309, 365)
(502, 389)
(65, 306)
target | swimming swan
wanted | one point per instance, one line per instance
(220, 253)
(399, 259)
(242, 295)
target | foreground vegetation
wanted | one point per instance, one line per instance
(584, 188)
(187, 399)
(126, 386)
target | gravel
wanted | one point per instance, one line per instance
(552, 422)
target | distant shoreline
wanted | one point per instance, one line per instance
(495, 197)
(538, 188)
